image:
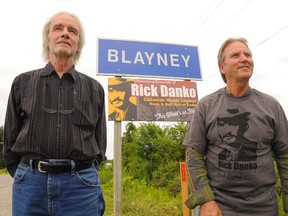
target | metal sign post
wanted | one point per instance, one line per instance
(117, 169)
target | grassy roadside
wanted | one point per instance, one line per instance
(141, 199)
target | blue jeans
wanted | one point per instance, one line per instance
(71, 194)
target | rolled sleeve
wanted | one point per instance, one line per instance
(201, 191)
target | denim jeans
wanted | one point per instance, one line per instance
(73, 194)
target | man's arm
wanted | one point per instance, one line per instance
(100, 130)
(280, 150)
(282, 165)
(197, 175)
(13, 123)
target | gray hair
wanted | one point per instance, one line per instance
(221, 55)
(45, 33)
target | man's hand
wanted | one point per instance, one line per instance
(210, 208)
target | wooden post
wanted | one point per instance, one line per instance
(117, 169)
(184, 188)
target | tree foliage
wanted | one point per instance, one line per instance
(152, 153)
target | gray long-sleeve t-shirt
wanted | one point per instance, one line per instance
(237, 137)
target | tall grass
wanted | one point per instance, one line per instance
(143, 200)
(140, 199)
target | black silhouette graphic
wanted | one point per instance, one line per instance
(120, 105)
(231, 130)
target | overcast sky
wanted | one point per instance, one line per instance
(205, 24)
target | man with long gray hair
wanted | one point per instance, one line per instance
(55, 130)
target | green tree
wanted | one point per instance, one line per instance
(138, 150)
(152, 154)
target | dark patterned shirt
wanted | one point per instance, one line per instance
(52, 118)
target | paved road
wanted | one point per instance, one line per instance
(6, 195)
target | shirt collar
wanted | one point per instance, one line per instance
(244, 95)
(49, 69)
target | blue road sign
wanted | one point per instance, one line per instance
(144, 59)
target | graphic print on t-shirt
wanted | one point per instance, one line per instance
(238, 158)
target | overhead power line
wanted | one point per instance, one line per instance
(195, 28)
(229, 20)
(271, 36)
(268, 38)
